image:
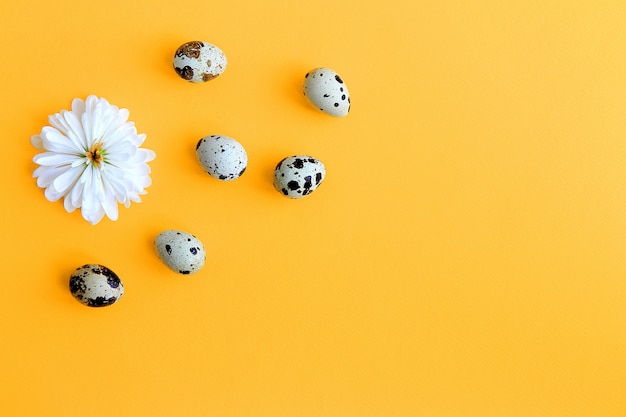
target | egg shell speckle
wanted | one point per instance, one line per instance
(327, 91)
(96, 285)
(298, 176)
(222, 157)
(182, 252)
(199, 62)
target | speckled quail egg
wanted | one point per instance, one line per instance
(326, 91)
(182, 252)
(96, 285)
(198, 61)
(222, 157)
(298, 176)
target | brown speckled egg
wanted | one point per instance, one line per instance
(96, 285)
(199, 62)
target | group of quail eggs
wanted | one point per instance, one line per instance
(225, 159)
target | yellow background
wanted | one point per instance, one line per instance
(464, 256)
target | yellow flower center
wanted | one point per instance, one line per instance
(95, 154)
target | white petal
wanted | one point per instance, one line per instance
(99, 122)
(114, 178)
(96, 184)
(45, 175)
(76, 128)
(78, 106)
(58, 122)
(51, 194)
(67, 203)
(91, 209)
(90, 104)
(103, 101)
(88, 180)
(142, 184)
(120, 147)
(54, 159)
(55, 141)
(141, 139)
(139, 170)
(122, 133)
(37, 142)
(108, 120)
(93, 215)
(87, 129)
(66, 180)
(141, 156)
(75, 196)
(109, 204)
(124, 113)
(122, 116)
(148, 155)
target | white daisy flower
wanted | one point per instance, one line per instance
(92, 158)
